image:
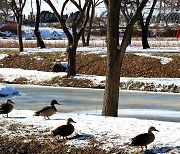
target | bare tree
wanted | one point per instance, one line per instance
(144, 22)
(115, 54)
(78, 27)
(40, 42)
(5, 10)
(86, 40)
(17, 8)
(128, 9)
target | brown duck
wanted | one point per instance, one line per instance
(48, 110)
(144, 139)
(6, 107)
(64, 130)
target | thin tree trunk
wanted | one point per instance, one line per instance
(19, 32)
(40, 42)
(83, 39)
(144, 32)
(90, 25)
(145, 26)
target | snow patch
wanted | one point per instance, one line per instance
(163, 60)
(3, 56)
(7, 91)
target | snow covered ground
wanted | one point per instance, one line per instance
(110, 131)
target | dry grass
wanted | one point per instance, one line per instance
(11, 27)
(19, 146)
(31, 45)
(20, 80)
(29, 139)
(93, 64)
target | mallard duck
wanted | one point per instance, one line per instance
(6, 107)
(144, 139)
(48, 110)
(64, 130)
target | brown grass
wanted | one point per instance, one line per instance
(70, 82)
(93, 64)
(11, 27)
(33, 146)
(31, 45)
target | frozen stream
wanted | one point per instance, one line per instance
(157, 106)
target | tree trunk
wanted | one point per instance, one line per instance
(111, 94)
(84, 39)
(78, 27)
(115, 54)
(144, 32)
(19, 33)
(90, 25)
(145, 26)
(71, 50)
(40, 42)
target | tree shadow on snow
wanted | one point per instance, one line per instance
(81, 137)
(161, 150)
(77, 137)
(16, 117)
(57, 119)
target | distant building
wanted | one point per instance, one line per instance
(48, 17)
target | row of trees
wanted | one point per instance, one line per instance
(132, 11)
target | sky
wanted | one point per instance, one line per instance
(58, 4)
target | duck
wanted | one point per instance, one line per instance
(47, 111)
(64, 130)
(144, 139)
(7, 107)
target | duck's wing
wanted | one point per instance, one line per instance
(2, 106)
(139, 139)
(43, 109)
(59, 130)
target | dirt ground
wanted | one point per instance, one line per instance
(94, 64)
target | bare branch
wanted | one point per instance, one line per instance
(97, 3)
(106, 2)
(82, 13)
(23, 4)
(86, 20)
(76, 4)
(63, 7)
(60, 18)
